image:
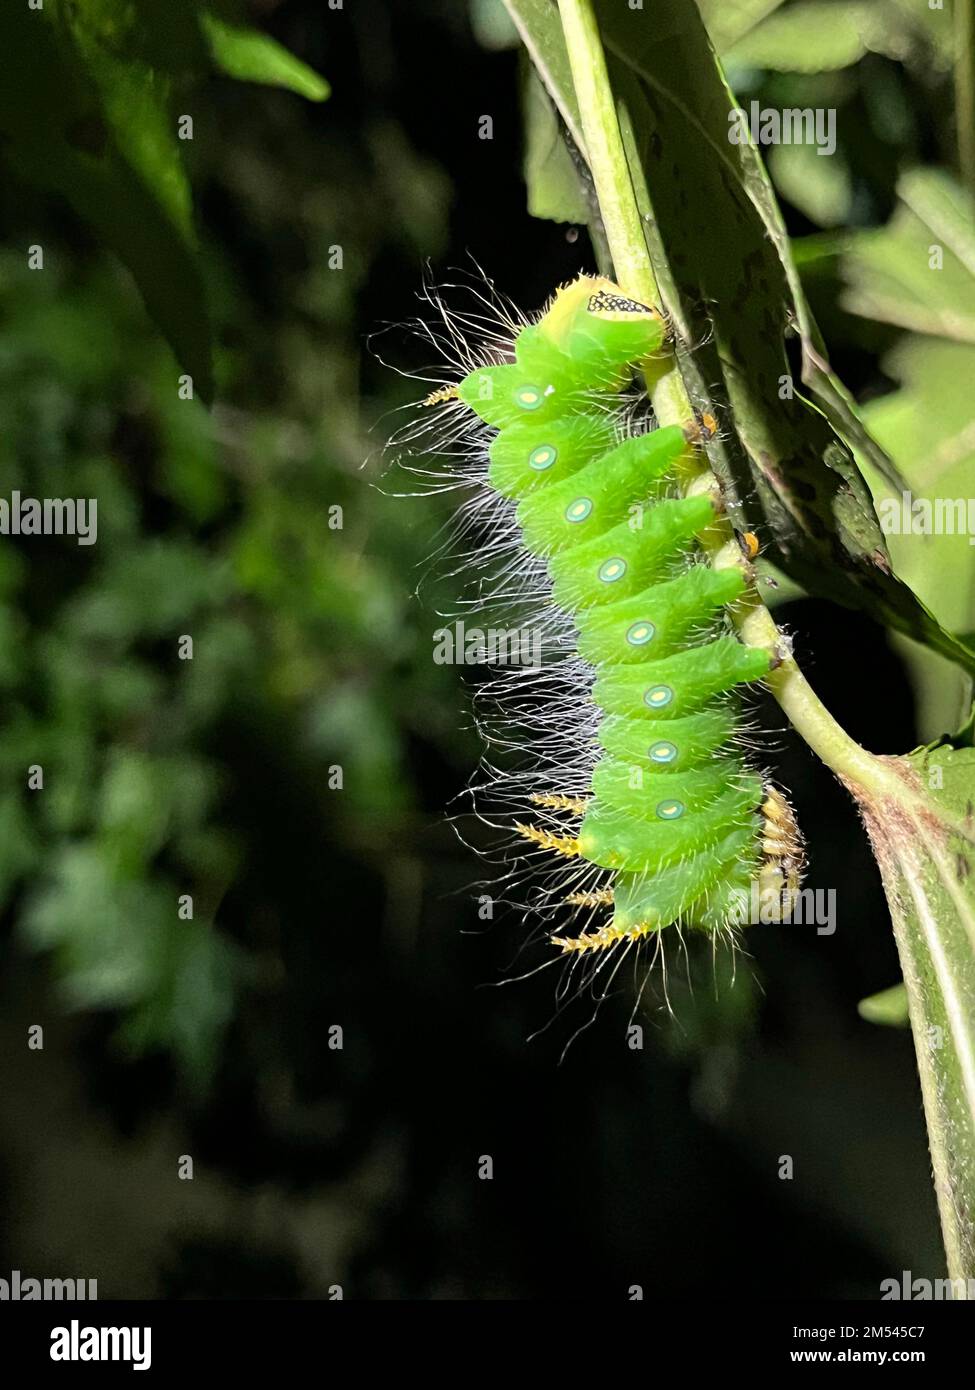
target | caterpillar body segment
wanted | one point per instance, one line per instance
(601, 495)
(644, 904)
(682, 684)
(571, 443)
(582, 576)
(646, 845)
(673, 745)
(681, 824)
(665, 616)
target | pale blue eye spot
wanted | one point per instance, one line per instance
(543, 457)
(663, 752)
(670, 810)
(528, 397)
(579, 509)
(611, 570)
(640, 634)
(658, 696)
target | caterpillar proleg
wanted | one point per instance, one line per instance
(652, 806)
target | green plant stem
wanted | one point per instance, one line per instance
(965, 88)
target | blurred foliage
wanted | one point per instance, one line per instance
(234, 529)
(918, 273)
(823, 35)
(95, 107)
(888, 1007)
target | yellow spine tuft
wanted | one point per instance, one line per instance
(442, 393)
(603, 897)
(565, 845)
(557, 801)
(602, 940)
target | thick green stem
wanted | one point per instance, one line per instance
(965, 88)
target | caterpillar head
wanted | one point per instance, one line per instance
(596, 296)
(586, 344)
(592, 320)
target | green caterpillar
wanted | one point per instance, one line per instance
(675, 814)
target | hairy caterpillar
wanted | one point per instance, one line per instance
(657, 803)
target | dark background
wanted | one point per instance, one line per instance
(316, 907)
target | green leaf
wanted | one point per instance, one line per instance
(926, 425)
(727, 23)
(827, 35)
(163, 35)
(538, 24)
(251, 56)
(722, 258)
(820, 188)
(492, 25)
(775, 587)
(888, 1008)
(135, 102)
(88, 112)
(555, 188)
(893, 274)
(119, 944)
(19, 848)
(102, 929)
(813, 37)
(920, 813)
(115, 164)
(191, 1002)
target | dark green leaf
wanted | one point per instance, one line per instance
(251, 56)
(727, 279)
(116, 165)
(555, 190)
(920, 818)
